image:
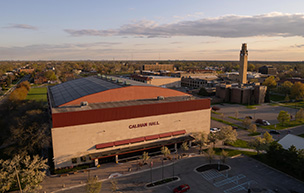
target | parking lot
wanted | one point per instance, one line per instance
(246, 173)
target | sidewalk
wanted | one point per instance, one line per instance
(55, 183)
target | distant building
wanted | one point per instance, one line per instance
(243, 92)
(290, 140)
(26, 70)
(268, 69)
(158, 67)
(164, 81)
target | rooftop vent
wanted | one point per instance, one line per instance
(160, 98)
(84, 103)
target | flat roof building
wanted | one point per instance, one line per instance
(101, 119)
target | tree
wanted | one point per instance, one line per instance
(203, 92)
(200, 140)
(165, 151)
(285, 88)
(227, 134)
(270, 82)
(93, 186)
(287, 98)
(252, 128)
(297, 90)
(283, 117)
(258, 144)
(224, 155)
(185, 146)
(210, 154)
(114, 185)
(268, 138)
(24, 84)
(145, 157)
(247, 122)
(251, 67)
(212, 138)
(30, 171)
(300, 115)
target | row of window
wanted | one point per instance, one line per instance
(82, 159)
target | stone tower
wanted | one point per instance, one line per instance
(243, 64)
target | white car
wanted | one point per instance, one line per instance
(214, 130)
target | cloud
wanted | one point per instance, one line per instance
(229, 26)
(298, 46)
(22, 26)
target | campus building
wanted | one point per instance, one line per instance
(104, 119)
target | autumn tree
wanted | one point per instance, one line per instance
(224, 155)
(30, 172)
(258, 144)
(227, 134)
(93, 186)
(24, 84)
(145, 157)
(297, 90)
(165, 151)
(300, 115)
(247, 122)
(252, 128)
(270, 82)
(268, 138)
(212, 138)
(185, 146)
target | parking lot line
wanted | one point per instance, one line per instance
(233, 179)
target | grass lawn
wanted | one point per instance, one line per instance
(254, 134)
(239, 143)
(237, 119)
(251, 106)
(295, 105)
(286, 125)
(38, 93)
(275, 97)
(233, 152)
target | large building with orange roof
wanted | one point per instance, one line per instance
(103, 119)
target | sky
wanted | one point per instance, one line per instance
(151, 30)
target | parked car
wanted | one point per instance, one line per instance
(214, 130)
(215, 108)
(262, 122)
(182, 188)
(274, 132)
(248, 117)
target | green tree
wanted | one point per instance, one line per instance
(283, 117)
(227, 134)
(270, 82)
(251, 67)
(297, 90)
(203, 92)
(300, 115)
(268, 138)
(30, 171)
(285, 88)
(252, 128)
(93, 186)
(210, 154)
(287, 98)
(258, 144)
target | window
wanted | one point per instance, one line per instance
(83, 158)
(74, 160)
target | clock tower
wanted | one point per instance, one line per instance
(243, 64)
